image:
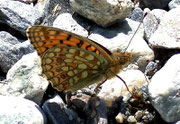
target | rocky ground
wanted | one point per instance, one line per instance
(153, 75)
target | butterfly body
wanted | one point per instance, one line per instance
(71, 62)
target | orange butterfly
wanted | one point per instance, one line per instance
(71, 62)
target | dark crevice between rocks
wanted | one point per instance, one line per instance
(163, 54)
(2, 75)
(12, 31)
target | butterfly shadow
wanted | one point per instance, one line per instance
(107, 32)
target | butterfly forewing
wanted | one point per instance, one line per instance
(44, 38)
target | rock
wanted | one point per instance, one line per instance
(131, 119)
(66, 22)
(24, 79)
(58, 113)
(137, 14)
(178, 122)
(164, 90)
(113, 38)
(151, 68)
(52, 8)
(18, 15)
(151, 22)
(104, 12)
(168, 29)
(11, 50)
(84, 105)
(120, 118)
(116, 40)
(141, 52)
(114, 88)
(19, 110)
(174, 4)
(138, 115)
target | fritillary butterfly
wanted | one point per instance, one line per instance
(71, 62)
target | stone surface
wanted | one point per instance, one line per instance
(137, 14)
(168, 29)
(84, 105)
(11, 50)
(18, 15)
(174, 4)
(164, 90)
(58, 113)
(24, 79)
(115, 38)
(114, 88)
(52, 8)
(151, 22)
(104, 12)
(66, 22)
(15, 110)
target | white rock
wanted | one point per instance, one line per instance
(168, 33)
(114, 88)
(15, 110)
(66, 22)
(24, 79)
(164, 90)
(141, 52)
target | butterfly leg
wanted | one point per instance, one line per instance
(96, 90)
(68, 97)
(126, 86)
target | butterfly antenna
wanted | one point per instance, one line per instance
(136, 30)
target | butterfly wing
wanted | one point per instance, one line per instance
(43, 38)
(69, 61)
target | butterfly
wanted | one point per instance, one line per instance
(71, 62)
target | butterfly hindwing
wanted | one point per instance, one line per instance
(71, 68)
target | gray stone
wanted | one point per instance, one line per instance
(24, 79)
(11, 50)
(114, 38)
(58, 113)
(52, 8)
(15, 110)
(66, 22)
(168, 33)
(178, 122)
(104, 12)
(151, 22)
(164, 90)
(137, 14)
(174, 4)
(18, 15)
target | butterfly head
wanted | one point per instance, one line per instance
(122, 58)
